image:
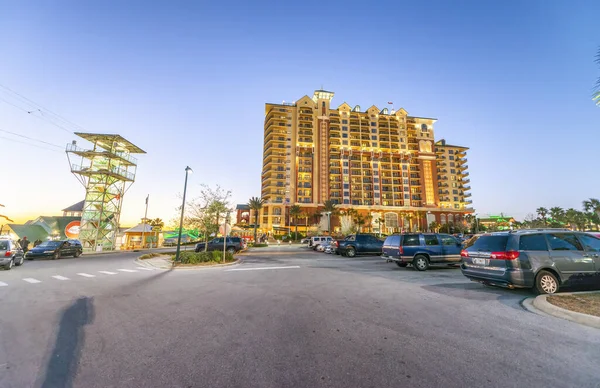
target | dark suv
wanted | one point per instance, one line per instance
(422, 249)
(544, 259)
(234, 244)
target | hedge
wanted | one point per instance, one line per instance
(189, 257)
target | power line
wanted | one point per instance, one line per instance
(44, 118)
(29, 144)
(31, 138)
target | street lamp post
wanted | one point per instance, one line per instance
(187, 171)
(476, 224)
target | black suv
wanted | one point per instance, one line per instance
(544, 259)
(233, 245)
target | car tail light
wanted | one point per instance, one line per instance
(464, 253)
(337, 244)
(401, 249)
(508, 255)
(8, 254)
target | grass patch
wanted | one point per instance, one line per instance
(203, 258)
(580, 303)
(149, 255)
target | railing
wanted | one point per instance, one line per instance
(123, 155)
(115, 170)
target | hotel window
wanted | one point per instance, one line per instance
(373, 144)
(452, 171)
(403, 146)
(451, 152)
(346, 186)
(406, 196)
(345, 171)
(373, 130)
(346, 202)
(451, 157)
(454, 191)
(344, 122)
(346, 193)
(405, 181)
(375, 180)
(376, 195)
(374, 137)
(345, 164)
(373, 124)
(344, 128)
(344, 142)
(456, 206)
(345, 135)
(451, 164)
(375, 165)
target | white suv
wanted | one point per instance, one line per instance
(318, 240)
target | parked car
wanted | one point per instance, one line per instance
(233, 245)
(11, 253)
(422, 249)
(595, 234)
(305, 240)
(315, 241)
(542, 259)
(55, 249)
(330, 248)
(359, 244)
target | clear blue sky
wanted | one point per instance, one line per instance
(187, 82)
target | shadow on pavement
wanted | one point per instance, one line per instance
(64, 357)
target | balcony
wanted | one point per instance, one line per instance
(468, 201)
(466, 180)
(466, 188)
(112, 171)
(466, 195)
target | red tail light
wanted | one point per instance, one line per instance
(508, 255)
(337, 244)
(8, 254)
(464, 253)
(401, 250)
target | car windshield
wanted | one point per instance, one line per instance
(3, 245)
(50, 244)
(488, 243)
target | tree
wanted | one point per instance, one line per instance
(592, 207)
(295, 212)
(435, 226)
(369, 221)
(157, 225)
(346, 224)
(380, 222)
(557, 216)
(410, 217)
(359, 220)
(596, 95)
(256, 203)
(542, 213)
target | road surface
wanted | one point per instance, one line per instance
(285, 317)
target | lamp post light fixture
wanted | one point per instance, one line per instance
(188, 170)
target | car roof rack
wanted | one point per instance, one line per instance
(541, 230)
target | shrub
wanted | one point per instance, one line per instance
(260, 245)
(188, 257)
(149, 255)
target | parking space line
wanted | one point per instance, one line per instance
(32, 280)
(261, 268)
(60, 277)
(86, 275)
(108, 272)
(2, 284)
(126, 270)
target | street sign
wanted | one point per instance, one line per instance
(225, 229)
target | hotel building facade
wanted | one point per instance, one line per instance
(384, 164)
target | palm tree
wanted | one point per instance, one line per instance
(157, 224)
(380, 221)
(256, 203)
(592, 207)
(410, 217)
(359, 220)
(330, 207)
(369, 221)
(570, 217)
(557, 214)
(542, 212)
(435, 226)
(295, 212)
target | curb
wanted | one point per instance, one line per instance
(146, 263)
(541, 303)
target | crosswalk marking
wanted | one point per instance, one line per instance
(108, 272)
(145, 269)
(60, 277)
(126, 270)
(86, 275)
(2, 284)
(32, 280)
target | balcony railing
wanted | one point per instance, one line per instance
(114, 170)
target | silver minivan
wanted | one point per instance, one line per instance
(11, 253)
(315, 241)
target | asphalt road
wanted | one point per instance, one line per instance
(283, 318)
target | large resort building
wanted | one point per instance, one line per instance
(386, 165)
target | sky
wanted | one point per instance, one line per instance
(187, 82)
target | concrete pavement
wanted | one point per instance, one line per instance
(283, 318)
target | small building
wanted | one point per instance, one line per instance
(74, 210)
(132, 238)
(499, 222)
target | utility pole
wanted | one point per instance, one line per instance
(144, 221)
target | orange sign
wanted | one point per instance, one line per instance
(72, 229)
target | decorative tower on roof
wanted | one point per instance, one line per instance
(106, 171)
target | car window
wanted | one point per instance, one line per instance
(411, 240)
(533, 242)
(591, 243)
(487, 243)
(3, 245)
(448, 240)
(564, 242)
(351, 238)
(218, 240)
(431, 239)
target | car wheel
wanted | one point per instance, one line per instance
(421, 263)
(56, 256)
(10, 264)
(77, 254)
(401, 264)
(231, 250)
(20, 262)
(350, 252)
(546, 283)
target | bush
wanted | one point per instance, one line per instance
(189, 257)
(149, 255)
(260, 245)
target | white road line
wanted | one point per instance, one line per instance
(145, 269)
(32, 280)
(261, 268)
(2, 284)
(60, 277)
(126, 270)
(86, 275)
(108, 272)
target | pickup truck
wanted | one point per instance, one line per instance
(359, 244)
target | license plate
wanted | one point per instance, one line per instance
(479, 261)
